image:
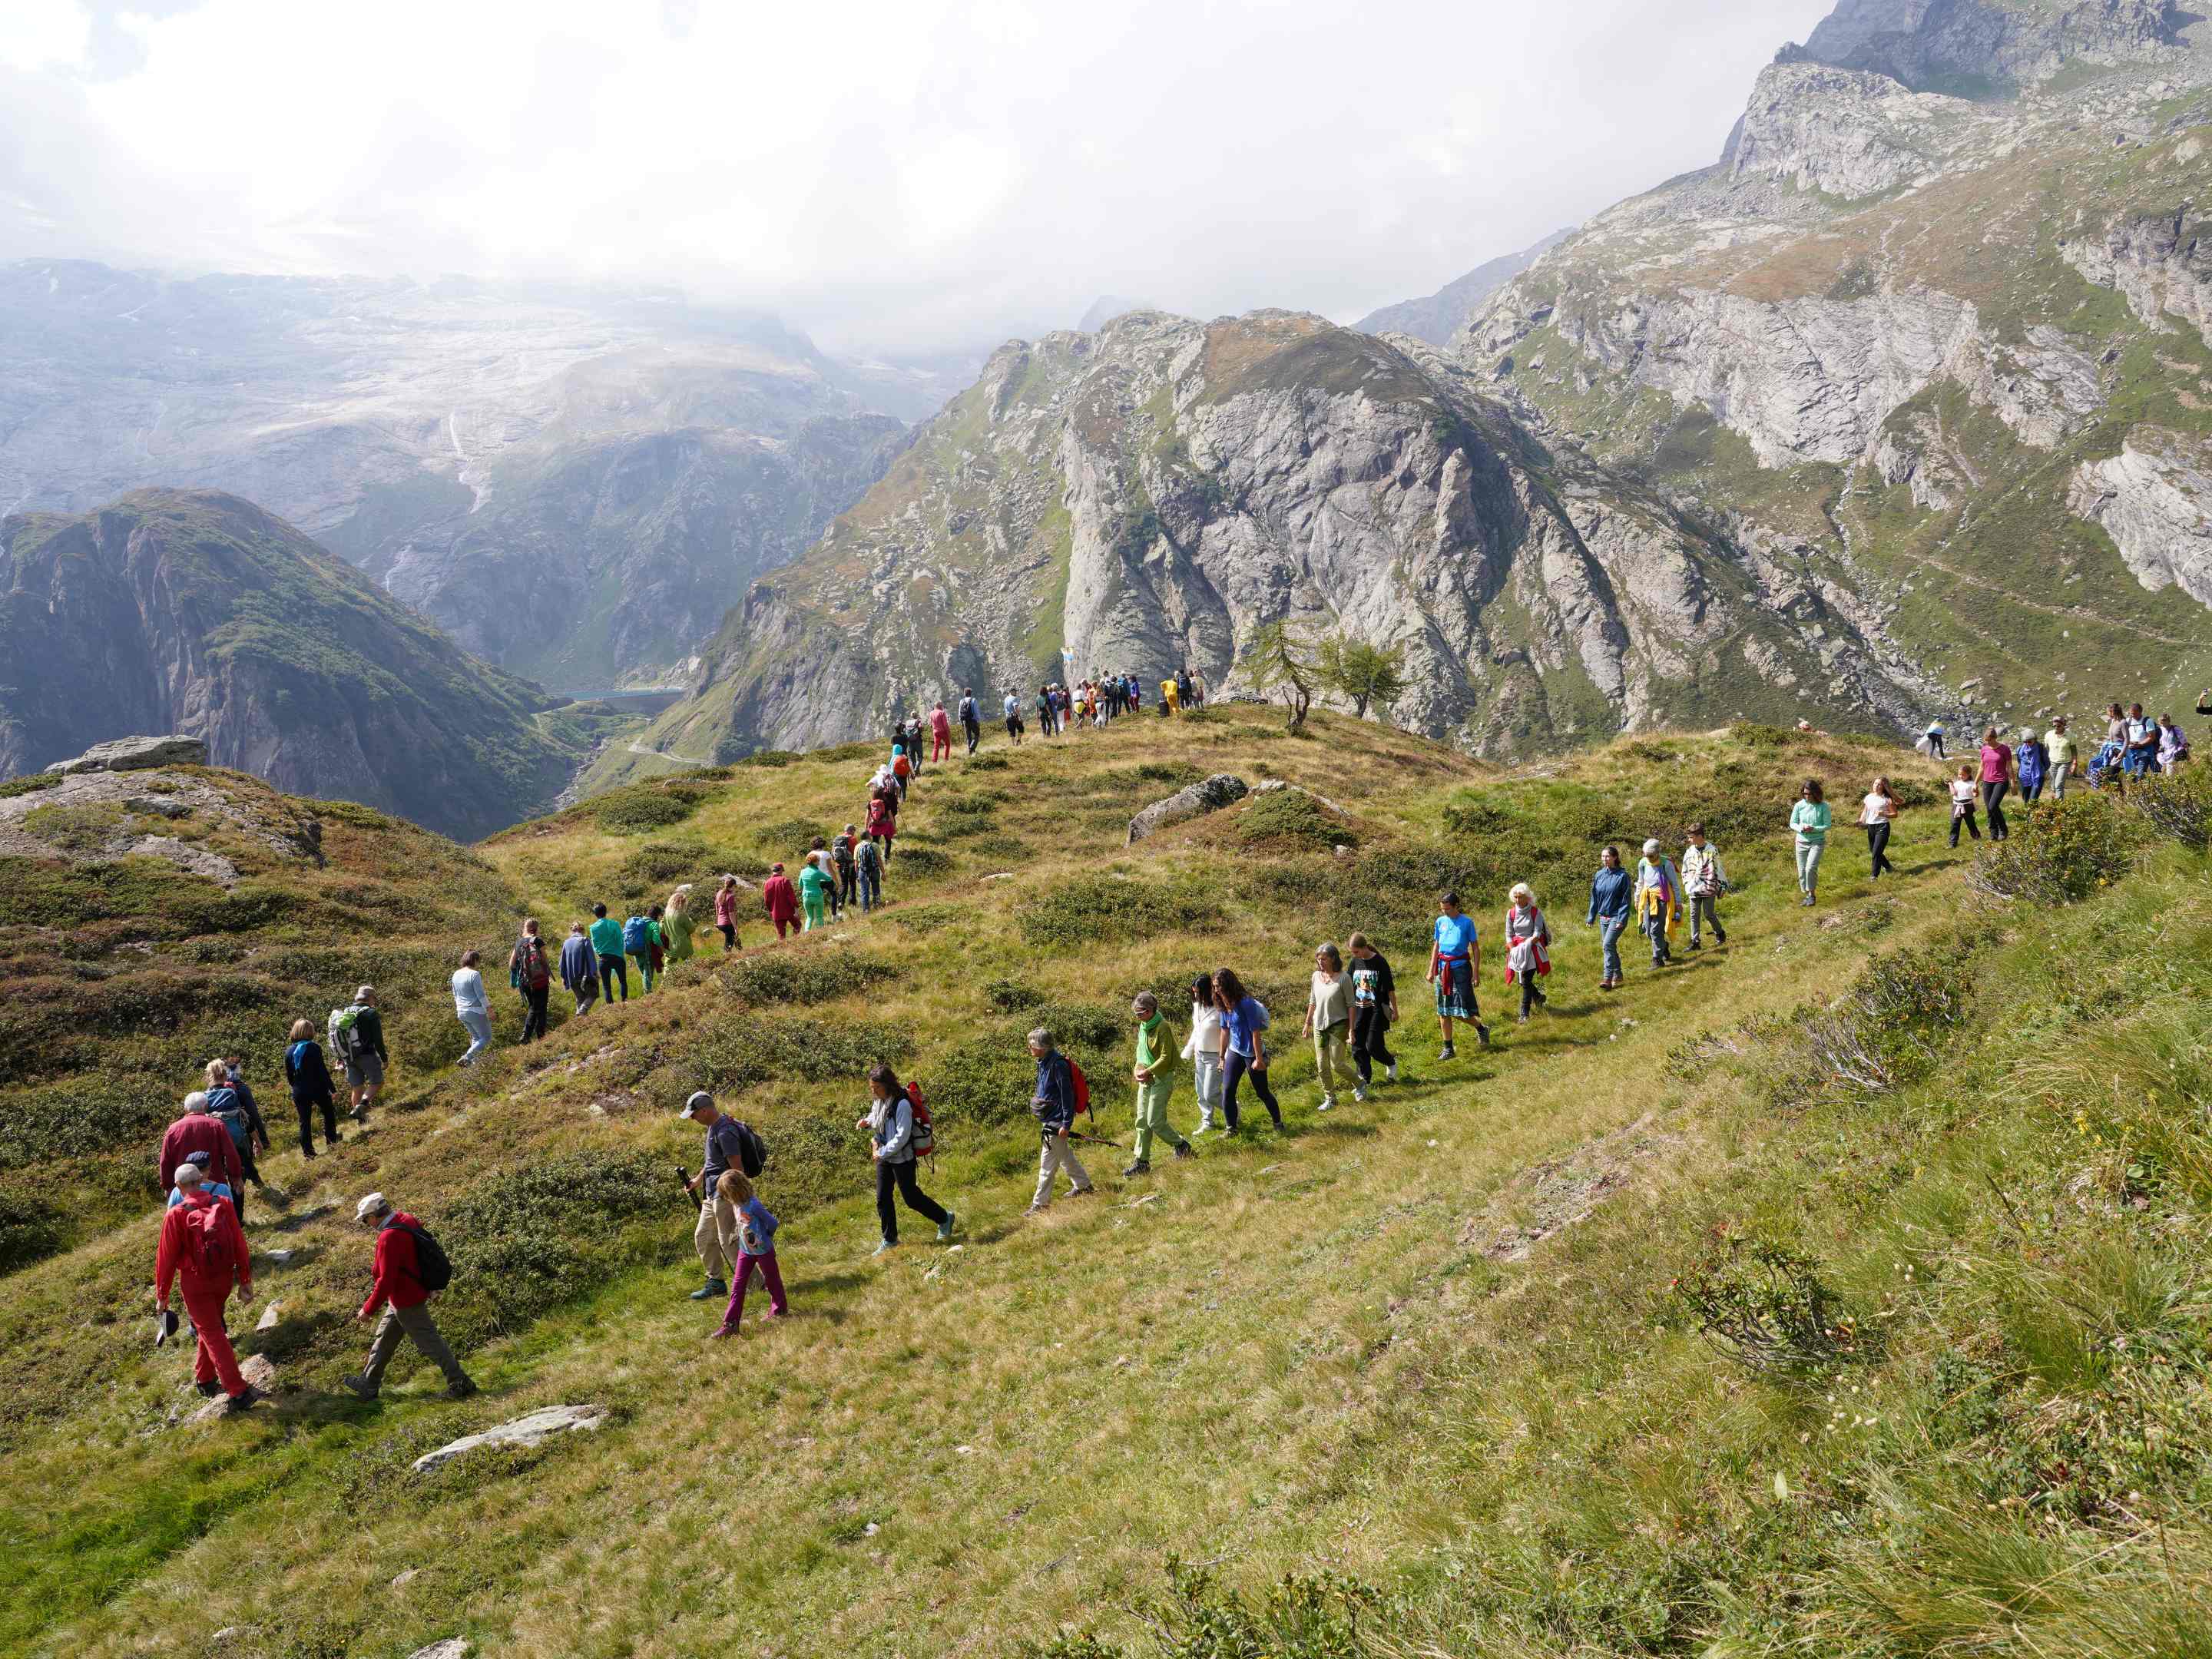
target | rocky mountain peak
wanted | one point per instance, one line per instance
(1979, 47)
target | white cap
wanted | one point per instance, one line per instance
(1651, 845)
(372, 1205)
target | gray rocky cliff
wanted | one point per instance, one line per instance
(1149, 496)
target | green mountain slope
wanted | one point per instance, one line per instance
(1428, 1343)
(183, 611)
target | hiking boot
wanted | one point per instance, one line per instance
(945, 1229)
(1697, 944)
(1521, 1019)
(720, 1332)
(1036, 1209)
(1719, 937)
(883, 1245)
(209, 1389)
(358, 1387)
(711, 1289)
(1482, 1034)
(1390, 1072)
(1359, 1093)
(1448, 1053)
(1328, 1104)
(462, 1390)
(241, 1403)
(1140, 1167)
(1184, 1149)
(1082, 1192)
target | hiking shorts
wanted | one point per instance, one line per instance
(367, 1072)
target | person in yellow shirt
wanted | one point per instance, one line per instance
(1169, 698)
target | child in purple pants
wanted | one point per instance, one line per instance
(756, 1251)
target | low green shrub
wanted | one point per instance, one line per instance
(665, 861)
(1095, 907)
(27, 1232)
(985, 762)
(912, 860)
(1010, 996)
(542, 1235)
(796, 977)
(1293, 818)
(788, 839)
(29, 785)
(770, 758)
(640, 808)
(2063, 851)
(762, 1046)
(1763, 1307)
(2176, 807)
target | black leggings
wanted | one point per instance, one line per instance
(533, 1017)
(1531, 995)
(1369, 1026)
(901, 1177)
(306, 1111)
(1878, 849)
(613, 972)
(729, 934)
(1236, 1071)
(1993, 796)
(1965, 818)
(975, 735)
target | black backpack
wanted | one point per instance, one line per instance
(433, 1270)
(752, 1150)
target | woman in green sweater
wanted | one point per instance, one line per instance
(1808, 822)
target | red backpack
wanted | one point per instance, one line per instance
(923, 1140)
(207, 1237)
(1082, 1090)
(537, 974)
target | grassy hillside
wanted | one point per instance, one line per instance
(1459, 1360)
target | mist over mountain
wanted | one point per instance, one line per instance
(574, 483)
(1437, 317)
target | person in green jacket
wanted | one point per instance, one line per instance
(676, 924)
(813, 894)
(1155, 1079)
(647, 957)
(605, 935)
(1808, 822)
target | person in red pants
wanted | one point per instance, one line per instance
(941, 733)
(781, 900)
(202, 1251)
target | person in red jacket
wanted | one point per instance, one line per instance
(203, 1253)
(397, 1290)
(197, 1131)
(941, 733)
(781, 900)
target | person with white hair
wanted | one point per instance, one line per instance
(1054, 1106)
(1528, 946)
(471, 1007)
(1658, 900)
(410, 1268)
(203, 1138)
(203, 1253)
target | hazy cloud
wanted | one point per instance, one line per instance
(891, 174)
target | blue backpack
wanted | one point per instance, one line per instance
(635, 940)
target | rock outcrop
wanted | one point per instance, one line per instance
(137, 754)
(533, 1430)
(195, 613)
(2155, 499)
(1146, 497)
(1195, 800)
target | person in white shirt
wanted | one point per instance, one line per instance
(469, 1007)
(1875, 811)
(1962, 805)
(2058, 756)
(1705, 881)
(1203, 1048)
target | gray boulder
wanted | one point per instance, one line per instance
(531, 1431)
(138, 754)
(454, 1647)
(1207, 795)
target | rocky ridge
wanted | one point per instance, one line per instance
(1148, 496)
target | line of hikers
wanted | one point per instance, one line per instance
(204, 1160)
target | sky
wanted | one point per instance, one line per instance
(896, 177)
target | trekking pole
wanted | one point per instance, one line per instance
(1094, 1140)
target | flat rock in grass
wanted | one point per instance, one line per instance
(533, 1430)
(454, 1647)
(269, 1315)
(138, 754)
(1206, 795)
(257, 1370)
